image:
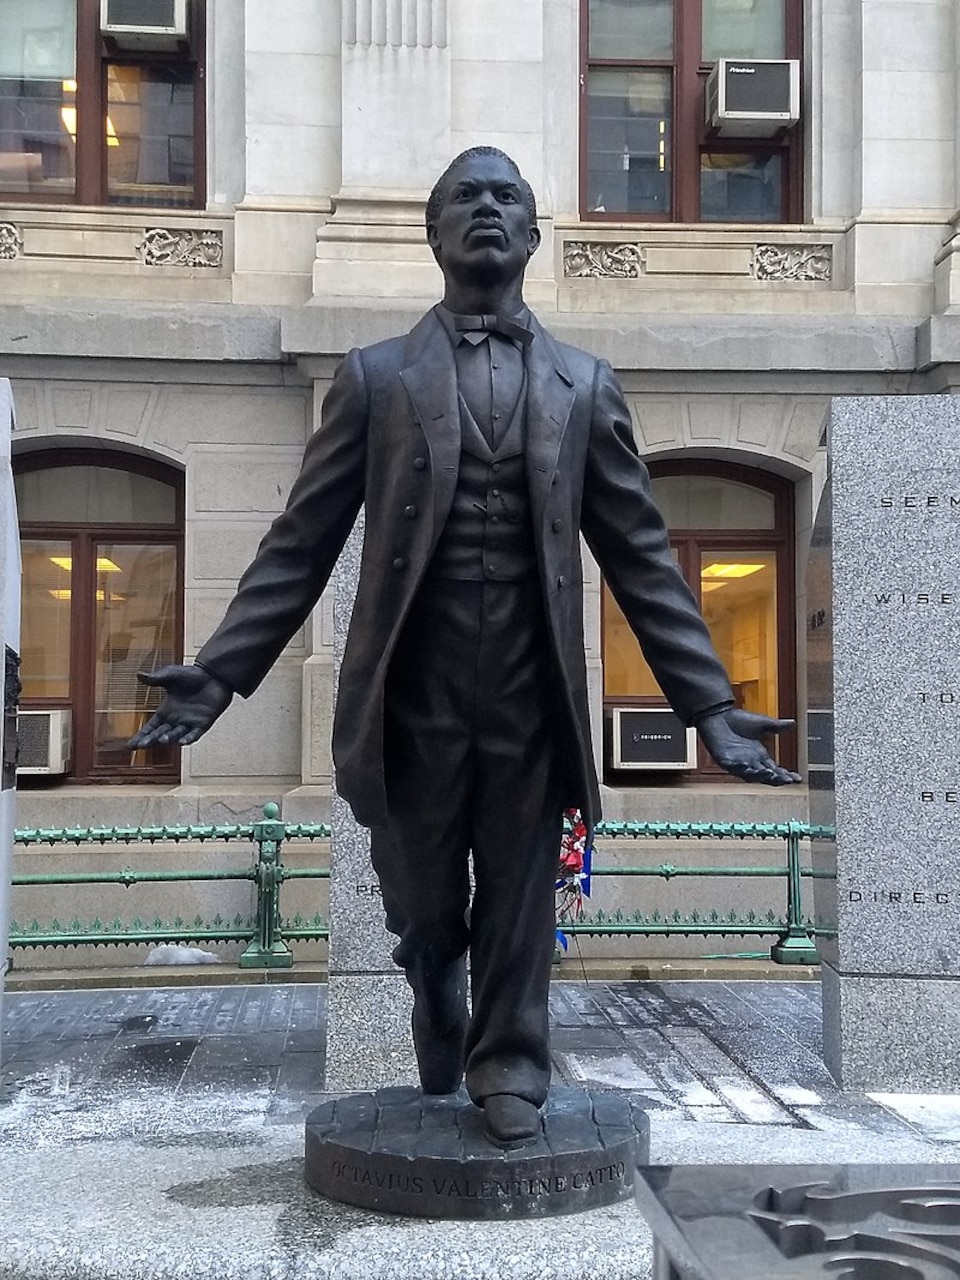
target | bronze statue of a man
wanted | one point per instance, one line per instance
(481, 448)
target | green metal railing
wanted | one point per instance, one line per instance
(267, 934)
(795, 933)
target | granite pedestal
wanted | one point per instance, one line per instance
(884, 640)
(400, 1151)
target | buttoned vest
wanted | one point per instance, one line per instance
(488, 533)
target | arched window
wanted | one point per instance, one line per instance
(731, 531)
(102, 544)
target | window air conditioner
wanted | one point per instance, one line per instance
(144, 24)
(44, 742)
(753, 97)
(651, 738)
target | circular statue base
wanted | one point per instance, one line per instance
(401, 1151)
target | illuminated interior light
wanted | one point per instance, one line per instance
(103, 564)
(64, 593)
(722, 570)
(68, 114)
(715, 585)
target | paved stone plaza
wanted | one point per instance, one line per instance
(153, 1134)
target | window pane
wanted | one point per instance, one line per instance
(739, 602)
(46, 603)
(39, 39)
(625, 670)
(98, 495)
(150, 135)
(708, 502)
(629, 141)
(38, 115)
(134, 630)
(631, 28)
(743, 29)
(741, 188)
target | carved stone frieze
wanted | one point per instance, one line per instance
(161, 247)
(586, 258)
(793, 262)
(11, 241)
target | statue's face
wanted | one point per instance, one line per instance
(483, 233)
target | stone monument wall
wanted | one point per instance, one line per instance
(369, 1042)
(9, 640)
(891, 979)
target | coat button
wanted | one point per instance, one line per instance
(410, 512)
(399, 563)
(557, 526)
(495, 467)
(561, 581)
(419, 464)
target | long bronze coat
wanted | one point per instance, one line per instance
(390, 438)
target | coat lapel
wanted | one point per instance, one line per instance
(430, 379)
(550, 397)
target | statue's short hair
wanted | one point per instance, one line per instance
(438, 194)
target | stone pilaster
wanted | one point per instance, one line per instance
(395, 140)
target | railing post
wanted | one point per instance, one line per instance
(268, 950)
(795, 946)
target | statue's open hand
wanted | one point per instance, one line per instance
(195, 698)
(733, 739)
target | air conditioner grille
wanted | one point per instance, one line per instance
(758, 87)
(143, 14)
(33, 740)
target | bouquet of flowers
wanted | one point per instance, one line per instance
(573, 875)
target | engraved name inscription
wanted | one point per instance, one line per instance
(479, 1188)
(369, 891)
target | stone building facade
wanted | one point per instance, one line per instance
(191, 337)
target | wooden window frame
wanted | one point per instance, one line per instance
(83, 537)
(688, 542)
(691, 136)
(95, 53)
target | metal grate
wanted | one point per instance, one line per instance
(33, 737)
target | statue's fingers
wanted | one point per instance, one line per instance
(146, 732)
(163, 728)
(173, 734)
(154, 678)
(780, 726)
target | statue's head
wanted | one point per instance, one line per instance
(482, 218)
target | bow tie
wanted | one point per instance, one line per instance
(493, 324)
